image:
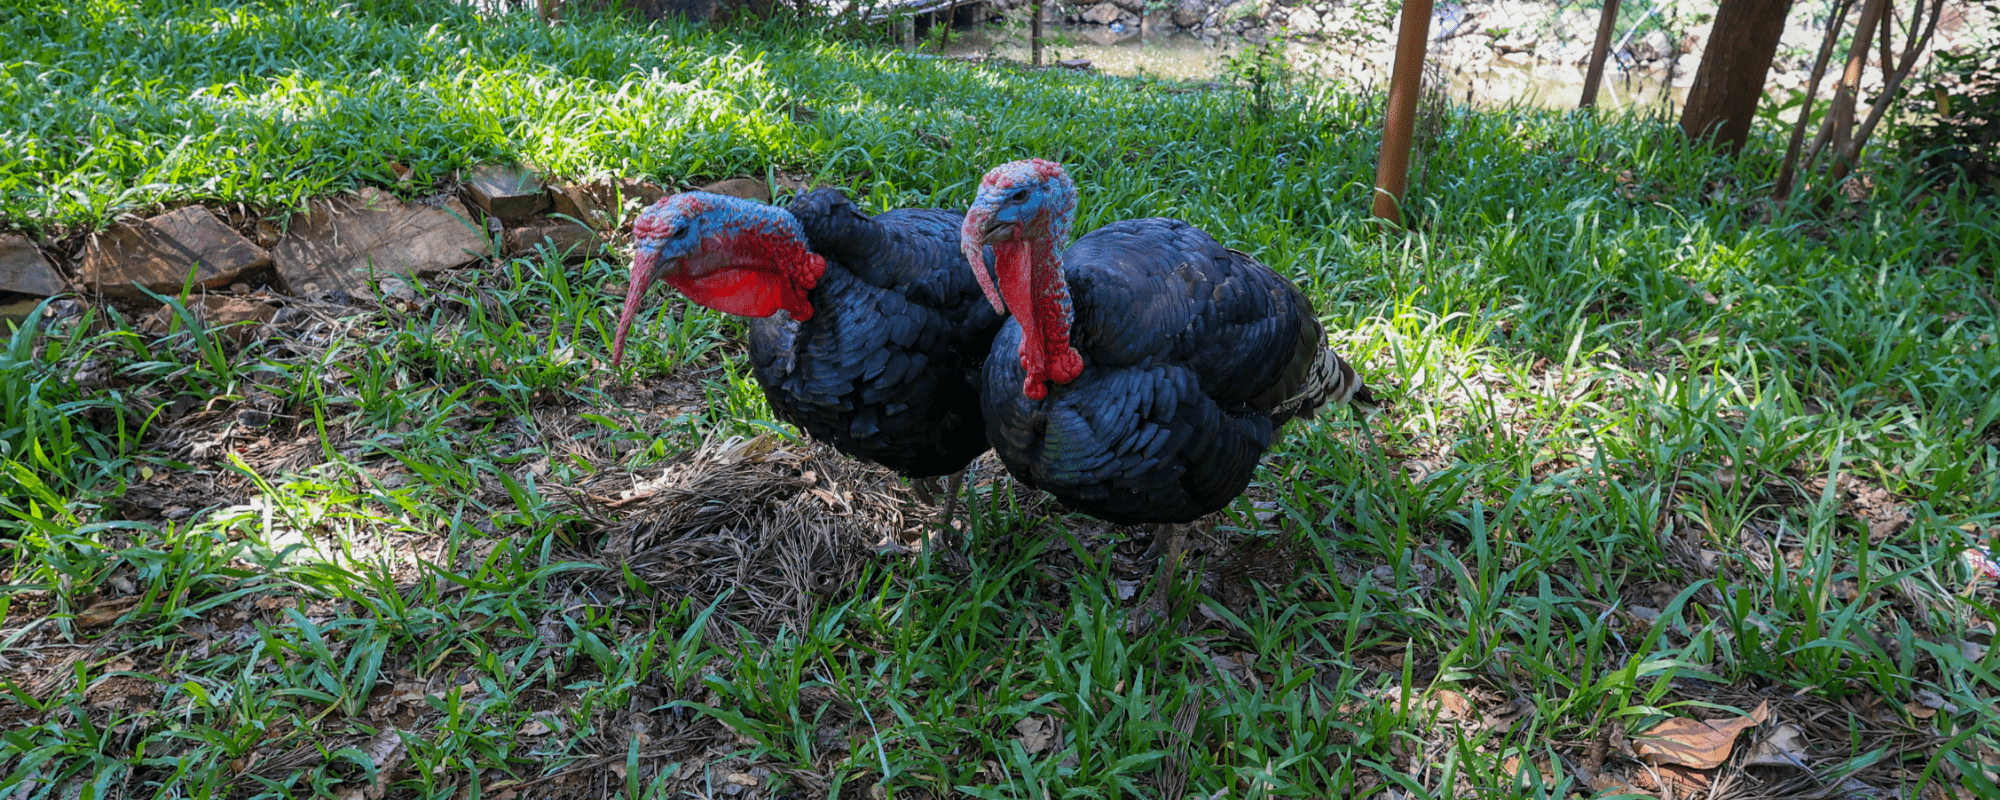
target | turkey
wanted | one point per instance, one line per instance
(1146, 369)
(867, 332)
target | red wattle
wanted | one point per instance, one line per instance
(1017, 287)
(1052, 305)
(1031, 281)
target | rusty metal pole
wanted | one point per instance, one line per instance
(1392, 168)
(1600, 52)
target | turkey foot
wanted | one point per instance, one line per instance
(1169, 540)
(926, 490)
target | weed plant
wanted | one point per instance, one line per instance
(1648, 455)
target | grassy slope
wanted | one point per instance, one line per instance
(1610, 392)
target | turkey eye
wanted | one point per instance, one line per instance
(1019, 196)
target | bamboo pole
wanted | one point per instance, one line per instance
(1600, 52)
(1392, 169)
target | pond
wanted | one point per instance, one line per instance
(1176, 54)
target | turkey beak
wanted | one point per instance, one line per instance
(972, 237)
(645, 265)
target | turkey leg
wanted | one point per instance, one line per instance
(952, 539)
(1169, 539)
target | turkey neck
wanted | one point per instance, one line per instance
(1031, 281)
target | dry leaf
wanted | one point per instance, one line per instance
(742, 779)
(106, 612)
(1701, 744)
(386, 751)
(1456, 706)
(1785, 746)
(1679, 781)
(1037, 734)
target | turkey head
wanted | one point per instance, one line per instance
(735, 256)
(1024, 209)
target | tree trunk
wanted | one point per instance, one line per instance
(1892, 83)
(1392, 167)
(1789, 171)
(1840, 115)
(1035, 34)
(1600, 52)
(1723, 101)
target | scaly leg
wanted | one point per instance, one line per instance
(1155, 607)
(953, 539)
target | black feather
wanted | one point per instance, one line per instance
(881, 370)
(1191, 352)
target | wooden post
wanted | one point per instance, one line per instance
(1035, 35)
(1600, 52)
(1392, 167)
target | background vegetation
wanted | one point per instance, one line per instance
(1650, 455)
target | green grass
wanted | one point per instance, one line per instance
(1613, 399)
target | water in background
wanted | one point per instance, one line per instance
(1176, 54)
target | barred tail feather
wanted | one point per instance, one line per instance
(1332, 380)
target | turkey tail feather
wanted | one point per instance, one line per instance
(1332, 380)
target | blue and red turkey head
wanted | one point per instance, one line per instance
(865, 331)
(731, 255)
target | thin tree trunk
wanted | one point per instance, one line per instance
(1887, 36)
(1789, 171)
(950, 16)
(1035, 34)
(1892, 82)
(1723, 101)
(1840, 115)
(1392, 167)
(1600, 52)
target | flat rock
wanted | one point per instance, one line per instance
(13, 314)
(746, 188)
(159, 253)
(567, 240)
(1102, 13)
(24, 270)
(578, 203)
(215, 312)
(334, 247)
(601, 203)
(510, 193)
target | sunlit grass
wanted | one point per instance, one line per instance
(1616, 389)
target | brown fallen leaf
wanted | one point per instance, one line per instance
(1696, 743)
(106, 612)
(1037, 733)
(386, 751)
(1784, 746)
(1455, 705)
(1679, 781)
